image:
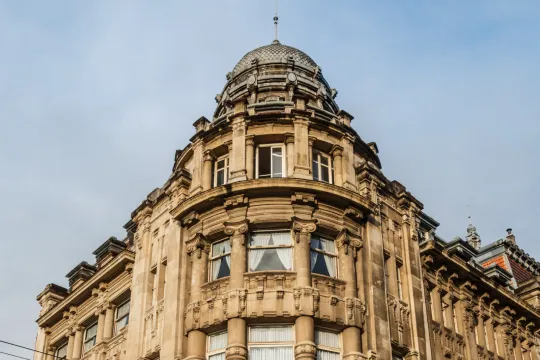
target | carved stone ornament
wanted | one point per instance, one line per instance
(347, 240)
(305, 349)
(199, 244)
(237, 200)
(304, 226)
(236, 228)
(236, 351)
(190, 219)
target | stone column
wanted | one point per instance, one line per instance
(236, 327)
(436, 306)
(198, 251)
(108, 327)
(304, 324)
(100, 326)
(77, 343)
(196, 181)
(50, 353)
(208, 161)
(349, 176)
(289, 142)
(490, 332)
(347, 248)
(250, 157)
(237, 157)
(517, 349)
(337, 153)
(499, 334)
(71, 343)
(302, 167)
(480, 329)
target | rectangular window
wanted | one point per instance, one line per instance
(221, 171)
(216, 345)
(323, 256)
(61, 352)
(122, 316)
(328, 347)
(220, 261)
(270, 251)
(322, 167)
(399, 283)
(90, 337)
(271, 343)
(270, 161)
(386, 276)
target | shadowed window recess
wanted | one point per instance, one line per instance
(270, 251)
(220, 260)
(221, 171)
(270, 161)
(323, 256)
(322, 167)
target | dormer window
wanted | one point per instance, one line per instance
(221, 171)
(322, 167)
(270, 161)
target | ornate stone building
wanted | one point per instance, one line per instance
(277, 236)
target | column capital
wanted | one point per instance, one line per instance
(337, 150)
(311, 140)
(305, 350)
(208, 155)
(250, 140)
(289, 138)
(236, 351)
(304, 226)
(197, 245)
(236, 227)
(346, 240)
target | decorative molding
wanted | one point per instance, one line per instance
(198, 245)
(236, 200)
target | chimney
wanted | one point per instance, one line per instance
(510, 237)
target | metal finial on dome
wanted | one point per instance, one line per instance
(276, 26)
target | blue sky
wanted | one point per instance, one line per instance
(95, 97)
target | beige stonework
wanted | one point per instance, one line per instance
(345, 251)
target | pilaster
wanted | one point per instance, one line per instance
(237, 157)
(302, 167)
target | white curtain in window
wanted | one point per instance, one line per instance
(285, 256)
(228, 260)
(327, 355)
(220, 356)
(330, 265)
(255, 256)
(271, 353)
(217, 341)
(270, 334)
(215, 268)
(220, 248)
(313, 255)
(326, 338)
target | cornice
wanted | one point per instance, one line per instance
(260, 187)
(84, 291)
(431, 248)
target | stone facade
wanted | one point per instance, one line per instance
(278, 236)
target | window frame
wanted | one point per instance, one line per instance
(263, 247)
(213, 258)
(57, 350)
(94, 338)
(116, 319)
(328, 348)
(322, 252)
(283, 160)
(217, 351)
(399, 281)
(317, 154)
(225, 170)
(269, 344)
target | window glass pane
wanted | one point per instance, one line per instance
(91, 331)
(271, 353)
(120, 324)
(270, 259)
(264, 162)
(324, 160)
(327, 355)
(122, 310)
(323, 264)
(277, 162)
(89, 344)
(221, 267)
(326, 338)
(270, 238)
(221, 164)
(220, 356)
(221, 248)
(325, 174)
(270, 334)
(217, 341)
(62, 351)
(220, 177)
(315, 167)
(323, 244)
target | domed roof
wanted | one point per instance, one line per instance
(274, 52)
